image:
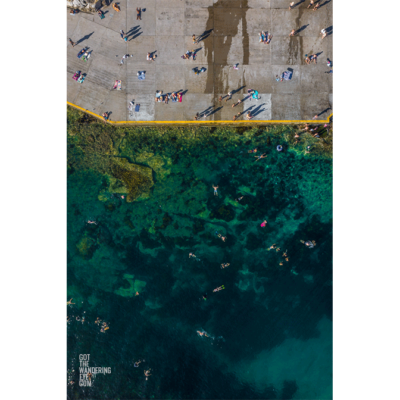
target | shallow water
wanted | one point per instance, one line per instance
(272, 324)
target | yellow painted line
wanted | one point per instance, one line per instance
(312, 121)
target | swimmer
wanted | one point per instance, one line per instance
(78, 318)
(287, 259)
(260, 157)
(83, 320)
(147, 373)
(293, 272)
(252, 151)
(136, 364)
(67, 319)
(192, 255)
(240, 198)
(137, 294)
(263, 223)
(205, 296)
(284, 254)
(219, 288)
(223, 238)
(281, 263)
(204, 333)
(278, 249)
(70, 302)
(271, 247)
(225, 265)
(92, 222)
(215, 190)
(98, 320)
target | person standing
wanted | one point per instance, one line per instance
(72, 43)
(291, 5)
(122, 34)
(311, 4)
(323, 33)
(139, 13)
(292, 33)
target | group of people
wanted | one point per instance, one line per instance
(265, 37)
(174, 97)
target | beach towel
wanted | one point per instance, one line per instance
(76, 76)
(287, 75)
(117, 85)
(180, 97)
(82, 78)
(80, 54)
(255, 95)
(141, 76)
(137, 107)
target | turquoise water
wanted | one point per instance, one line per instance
(270, 329)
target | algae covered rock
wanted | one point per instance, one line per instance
(137, 179)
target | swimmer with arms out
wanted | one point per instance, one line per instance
(260, 157)
(147, 373)
(219, 288)
(136, 364)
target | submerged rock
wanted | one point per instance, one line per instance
(137, 179)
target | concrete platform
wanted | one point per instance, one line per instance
(231, 30)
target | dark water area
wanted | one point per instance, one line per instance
(270, 329)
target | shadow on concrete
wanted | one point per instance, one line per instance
(206, 112)
(323, 112)
(326, 2)
(134, 37)
(301, 29)
(258, 110)
(204, 35)
(217, 109)
(237, 90)
(86, 37)
(133, 32)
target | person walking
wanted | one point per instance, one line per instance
(316, 7)
(229, 96)
(311, 4)
(72, 43)
(291, 5)
(323, 33)
(123, 36)
(292, 33)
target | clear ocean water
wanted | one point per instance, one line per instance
(270, 329)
